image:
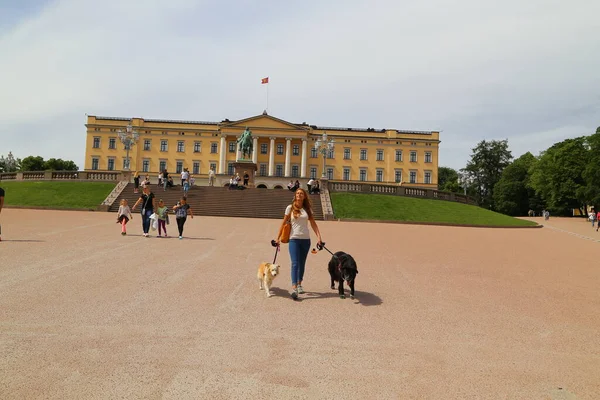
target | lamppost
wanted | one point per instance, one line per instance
(324, 146)
(128, 137)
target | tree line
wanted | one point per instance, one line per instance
(564, 177)
(35, 163)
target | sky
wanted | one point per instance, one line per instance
(475, 70)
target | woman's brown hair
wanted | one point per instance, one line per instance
(306, 204)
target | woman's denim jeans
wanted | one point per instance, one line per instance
(146, 220)
(298, 252)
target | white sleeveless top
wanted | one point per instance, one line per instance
(299, 225)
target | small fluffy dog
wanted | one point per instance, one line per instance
(342, 267)
(267, 272)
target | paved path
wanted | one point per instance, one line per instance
(442, 313)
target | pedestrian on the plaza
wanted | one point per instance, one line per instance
(148, 202)
(162, 211)
(182, 209)
(124, 216)
(136, 182)
(2, 192)
(299, 214)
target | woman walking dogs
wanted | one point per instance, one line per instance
(299, 213)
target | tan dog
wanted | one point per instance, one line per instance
(266, 273)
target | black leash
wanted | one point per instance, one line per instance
(274, 244)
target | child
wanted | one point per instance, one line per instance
(162, 217)
(181, 211)
(124, 216)
(186, 187)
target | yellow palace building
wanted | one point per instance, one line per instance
(282, 150)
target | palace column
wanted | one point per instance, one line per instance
(222, 154)
(303, 163)
(272, 156)
(255, 150)
(288, 154)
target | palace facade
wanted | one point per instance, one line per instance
(281, 149)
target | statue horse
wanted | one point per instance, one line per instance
(245, 143)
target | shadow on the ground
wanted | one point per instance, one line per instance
(363, 298)
(170, 237)
(23, 240)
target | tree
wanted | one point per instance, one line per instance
(9, 164)
(591, 173)
(513, 194)
(558, 175)
(485, 169)
(32, 163)
(54, 164)
(447, 178)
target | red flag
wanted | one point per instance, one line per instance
(264, 80)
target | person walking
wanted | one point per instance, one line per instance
(182, 209)
(162, 211)
(136, 182)
(148, 205)
(124, 216)
(299, 214)
(2, 192)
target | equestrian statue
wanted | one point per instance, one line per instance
(246, 143)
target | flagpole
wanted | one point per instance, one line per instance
(267, 97)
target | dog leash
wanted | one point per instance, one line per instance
(274, 244)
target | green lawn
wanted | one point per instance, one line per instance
(55, 194)
(399, 208)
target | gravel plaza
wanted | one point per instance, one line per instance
(440, 312)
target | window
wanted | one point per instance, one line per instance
(363, 174)
(146, 165)
(313, 172)
(263, 148)
(398, 155)
(427, 177)
(112, 143)
(146, 144)
(197, 147)
(428, 157)
(279, 169)
(413, 176)
(295, 150)
(179, 167)
(213, 166)
(163, 145)
(213, 148)
(379, 155)
(379, 175)
(196, 167)
(329, 173)
(346, 174)
(232, 147)
(94, 163)
(96, 142)
(279, 149)
(398, 176)
(363, 154)
(295, 173)
(230, 169)
(111, 164)
(180, 146)
(413, 156)
(263, 169)
(162, 165)
(346, 154)
(330, 153)
(313, 153)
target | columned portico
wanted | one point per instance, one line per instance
(288, 155)
(255, 149)
(222, 154)
(304, 155)
(272, 156)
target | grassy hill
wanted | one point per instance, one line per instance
(399, 208)
(56, 194)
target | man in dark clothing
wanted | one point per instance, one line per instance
(1, 205)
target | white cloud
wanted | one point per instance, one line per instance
(476, 69)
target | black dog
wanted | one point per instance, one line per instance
(342, 267)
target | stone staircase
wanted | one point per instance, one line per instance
(222, 202)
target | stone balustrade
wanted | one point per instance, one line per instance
(100, 176)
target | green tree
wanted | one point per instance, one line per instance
(59, 164)
(32, 163)
(591, 173)
(513, 194)
(488, 160)
(558, 175)
(447, 179)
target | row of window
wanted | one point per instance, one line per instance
(279, 170)
(164, 146)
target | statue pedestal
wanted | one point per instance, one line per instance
(241, 167)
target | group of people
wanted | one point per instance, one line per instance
(151, 210)
(234, 182)
(312, 185)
